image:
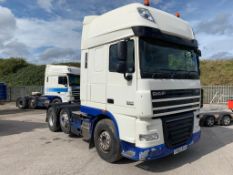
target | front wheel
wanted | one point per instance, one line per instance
(209, 121)
(106, 141)
(56, 101)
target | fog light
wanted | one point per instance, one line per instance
(149, 137)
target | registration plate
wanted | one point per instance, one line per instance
(180, 149)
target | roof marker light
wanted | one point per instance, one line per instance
(147, 2)
(178, 14)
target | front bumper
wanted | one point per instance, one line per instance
(159, 151)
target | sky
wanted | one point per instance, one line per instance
(49, 31)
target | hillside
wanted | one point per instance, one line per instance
(217, 72)
(17, 72)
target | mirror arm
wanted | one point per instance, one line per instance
(128, 77)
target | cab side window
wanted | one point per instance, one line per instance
(113, 60)
(62, 80)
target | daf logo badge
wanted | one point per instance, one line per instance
(161, 93)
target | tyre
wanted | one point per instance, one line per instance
(56, 101)
(32, 103)
(209, 121)
(64, 119)
(21, 103)
(106, 141)
(226, 120)
(53, 121)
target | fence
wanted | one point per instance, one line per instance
(212, 94)
(217, 94)
(15, 92)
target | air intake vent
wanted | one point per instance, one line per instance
(76, 94)
(177, 129)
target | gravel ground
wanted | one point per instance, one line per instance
(27, 147)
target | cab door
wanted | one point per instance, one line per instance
(121, 87)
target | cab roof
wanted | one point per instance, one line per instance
(118, 24)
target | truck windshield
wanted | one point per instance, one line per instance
(170, 61)
(74, 80)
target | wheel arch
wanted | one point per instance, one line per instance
(52, 97)
(98, 115)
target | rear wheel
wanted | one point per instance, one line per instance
(226, 120)
(32, 103)
(53, 121)
(21, 103)
(106, 141)
(209, 121)
(65, 120)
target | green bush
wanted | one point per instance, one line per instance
(17, 72)
(12, 65)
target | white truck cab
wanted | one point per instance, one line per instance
(140, 85)
(61, 85)
(62, 81)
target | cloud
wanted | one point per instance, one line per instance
(45, 4)
(212, 44)
(59, 55)
(8, 25)
(15, 49)
(222, 55)
(221, 24)
(59, 33)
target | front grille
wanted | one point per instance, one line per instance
(166, 102)
(76, 94)
(177, 129)
(158, 94)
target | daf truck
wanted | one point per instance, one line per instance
(61, 84)
(140, 85)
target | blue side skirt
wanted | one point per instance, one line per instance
(159, 151)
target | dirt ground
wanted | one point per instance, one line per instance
(27, 147)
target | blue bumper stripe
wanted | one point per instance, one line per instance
(132, 152)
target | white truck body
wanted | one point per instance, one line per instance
(139, 69)
(62, 81)
(132, 106)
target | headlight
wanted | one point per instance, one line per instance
(145, 13)
(149, 137)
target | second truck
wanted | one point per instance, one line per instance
(140, 85)
(61, 84)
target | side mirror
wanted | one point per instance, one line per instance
(121, 67)
(122, 57)
(122, 51)
(199, 52)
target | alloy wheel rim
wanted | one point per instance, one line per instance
(64, 120)
(226, 120)
(105, 141)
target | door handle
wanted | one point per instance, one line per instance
(110, 101)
